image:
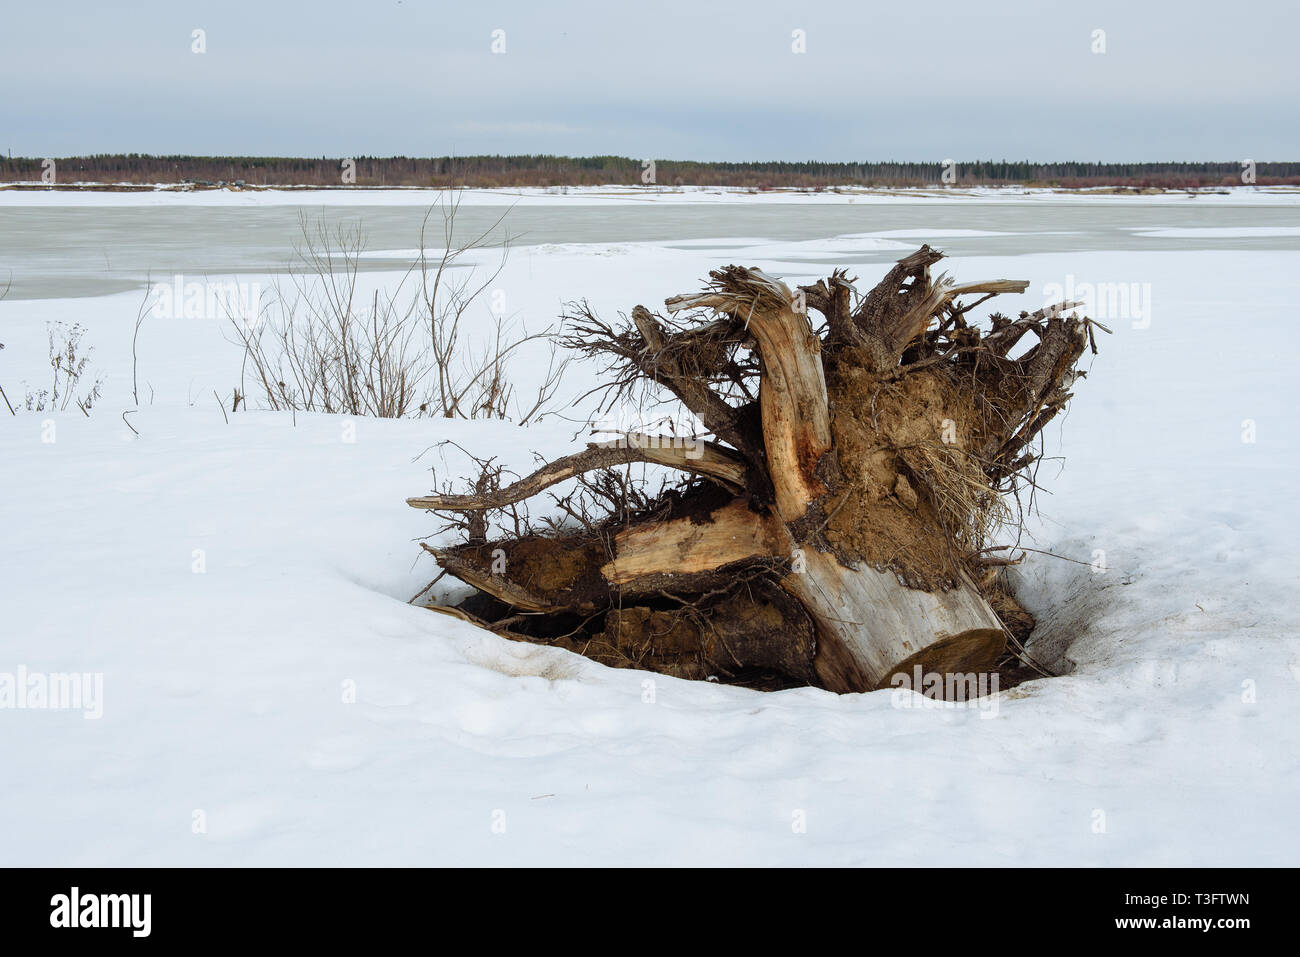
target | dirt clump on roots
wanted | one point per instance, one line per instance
(900, 448)
(752, 634)
(550, 572)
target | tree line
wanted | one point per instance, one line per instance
(547, 170)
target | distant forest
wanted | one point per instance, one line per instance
(517, 171)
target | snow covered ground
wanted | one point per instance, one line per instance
(269, 697)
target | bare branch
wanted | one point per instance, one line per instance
(708, 459)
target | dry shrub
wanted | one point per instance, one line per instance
(320, 345)
(69, 363)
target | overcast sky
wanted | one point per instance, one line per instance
(677, 79)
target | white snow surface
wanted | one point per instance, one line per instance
(1173, 740)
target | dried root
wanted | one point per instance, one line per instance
(834, 528)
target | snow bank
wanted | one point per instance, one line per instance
(270, 698)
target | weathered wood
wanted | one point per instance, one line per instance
(792, 398)
(869, 623)
(702, 458)
(871, 626)
(683, 554)
(498, 586)
(656, 362)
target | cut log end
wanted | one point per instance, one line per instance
(974, 652)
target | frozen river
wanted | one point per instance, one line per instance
(94, 244)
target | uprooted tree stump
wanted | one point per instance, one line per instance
(832, 531)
